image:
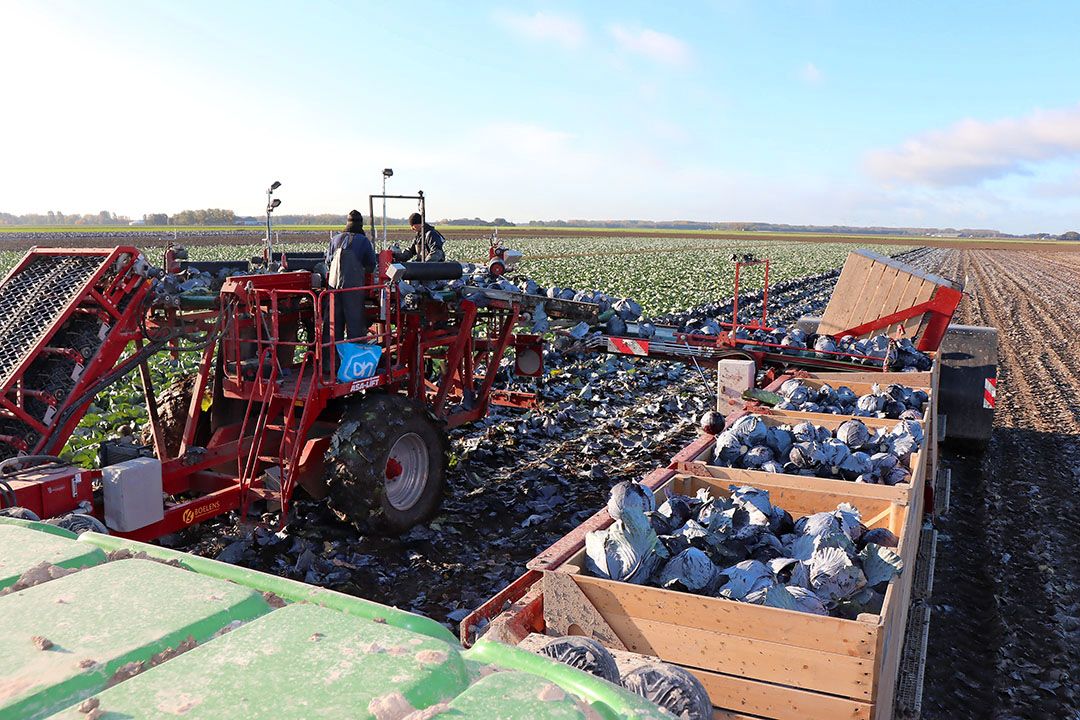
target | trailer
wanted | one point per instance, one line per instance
(767, 662)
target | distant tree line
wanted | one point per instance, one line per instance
(210, 216)
(497, 222)
(766, 227)
(218, 216)
(55, 217)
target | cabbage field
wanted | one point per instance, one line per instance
(664, 274)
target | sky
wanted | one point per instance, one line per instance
(929, 114)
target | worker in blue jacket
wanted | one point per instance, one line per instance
(349, 257)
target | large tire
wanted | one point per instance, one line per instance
(386, 465)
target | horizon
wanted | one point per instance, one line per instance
(843, 115)
(397, 222)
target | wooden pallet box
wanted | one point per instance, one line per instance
(759, 661)
(696, 457)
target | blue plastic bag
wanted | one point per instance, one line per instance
(357, 361)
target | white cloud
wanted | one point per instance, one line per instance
(658, 46)
(972, 151)
(811, 74)
(564, 30)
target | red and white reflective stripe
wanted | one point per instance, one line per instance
(628, 347)
(990, 393)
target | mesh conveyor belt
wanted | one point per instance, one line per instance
(32, 301)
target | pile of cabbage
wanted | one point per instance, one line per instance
(900, 355)
(854, 452)
(896, 402)
(746, 549)
(613, 312)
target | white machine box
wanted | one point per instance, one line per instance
(735, 374)
(133, 494)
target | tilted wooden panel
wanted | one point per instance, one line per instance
(873, 286)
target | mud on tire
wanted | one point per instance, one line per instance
(386, 465)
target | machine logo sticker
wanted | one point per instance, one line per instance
(192, 514)
(361, 368)
(364, 384)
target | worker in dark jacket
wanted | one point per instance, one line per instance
(350, 256)
(433, 240)
(355, 240)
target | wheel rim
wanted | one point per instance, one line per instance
(406, 471)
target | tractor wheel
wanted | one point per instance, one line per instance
(386, 466)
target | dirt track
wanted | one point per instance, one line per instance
(1005, 629)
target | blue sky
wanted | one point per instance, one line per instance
(935, 114)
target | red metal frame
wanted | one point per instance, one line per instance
(116, 300)
(739, 265)
(940, 308)
(254, 342)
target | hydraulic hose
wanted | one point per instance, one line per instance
(15, 465)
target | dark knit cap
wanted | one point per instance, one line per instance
(355, 222)
(415, 219)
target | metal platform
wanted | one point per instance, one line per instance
(942, 491)
(909, 688)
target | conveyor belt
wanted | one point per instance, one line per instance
(58, 310)
(33, 300)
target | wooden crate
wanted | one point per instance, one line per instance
(761, 661)
(696, 456)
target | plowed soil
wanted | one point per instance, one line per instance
(1005, 626)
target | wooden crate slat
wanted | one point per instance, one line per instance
(755, 659)
(845, 298)
(789, 491)
(877, 276)
(879, 293)
(831, 635)
(913, 327)
(913, 379)
(737, 697)
(906, 299)
(838, 490)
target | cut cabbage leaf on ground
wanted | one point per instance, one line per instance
(745, 549)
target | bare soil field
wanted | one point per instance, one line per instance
(1005, 627)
